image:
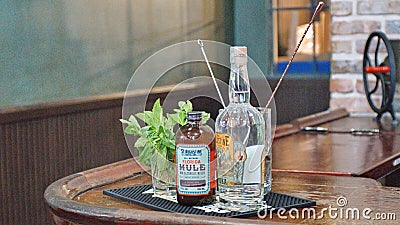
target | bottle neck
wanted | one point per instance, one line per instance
(239, 86)
(194, 123)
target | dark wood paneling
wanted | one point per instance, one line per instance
(298, 97)
(37, 152)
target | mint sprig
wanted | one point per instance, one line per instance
(158, 133)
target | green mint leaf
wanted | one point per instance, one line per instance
(133, 126)
(185, 106)
(169, 123)
(161, 131)
(171, 153)
(181, 104)
(169, 144)
(182, 118)
(124, 121)
(163, 151)
(205, 117)
(157, 113)
(146, 153)
(188, 106)
(148, 117)
(143, 131)
(169, 133)
(141, 142)
(129, 130)
(132, 118)
(174, 118)
(140, 116)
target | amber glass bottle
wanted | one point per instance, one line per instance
(195, 162)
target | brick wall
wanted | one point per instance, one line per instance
(352, 22)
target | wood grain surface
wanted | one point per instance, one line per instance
(340, 154)
(78, 199)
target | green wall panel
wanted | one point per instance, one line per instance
(55, 50)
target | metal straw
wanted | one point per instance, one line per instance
(200, 42)
(317, 10)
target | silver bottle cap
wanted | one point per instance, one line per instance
(194, 116)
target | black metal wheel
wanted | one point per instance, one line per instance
(379, 73)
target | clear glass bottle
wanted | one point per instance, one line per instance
(195, 159)
(240, 141)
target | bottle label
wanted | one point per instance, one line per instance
(223, 142)
(237, 163)
(193, 169)
(254, 166)
(225, 152)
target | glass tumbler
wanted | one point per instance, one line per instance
(268, 149)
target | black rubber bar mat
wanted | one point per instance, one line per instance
(134, 194)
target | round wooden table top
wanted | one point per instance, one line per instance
(78, 199)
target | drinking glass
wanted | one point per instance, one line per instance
(163, 176)
(268, 149)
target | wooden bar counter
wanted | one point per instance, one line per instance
(372, 156)
(78, 199)
(303, 165)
